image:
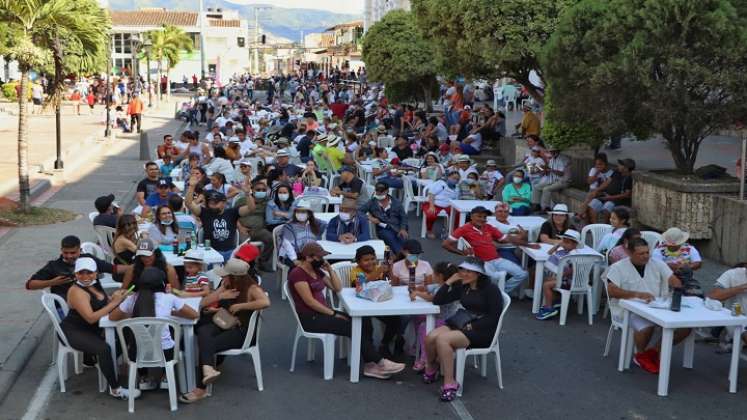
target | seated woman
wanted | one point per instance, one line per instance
(164, 231)
(558, 223)
(410, 270)
(306, 283)
(238, 293)
(218, 183)
(125, 239)
(620, 251)
(300, 230)
(151, 300)
(349, 226)
(518, 194)
(311, 177)
(88, 304)
(440, 194)
(620, 221)
(148, 255)
(472, 327)
(280, 208)
(431, 169)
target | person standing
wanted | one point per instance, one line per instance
(135, 111)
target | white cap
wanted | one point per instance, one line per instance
(85, 263)
(473, 266)
(194, 255)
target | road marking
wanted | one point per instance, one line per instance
(41, 396)
(458, 406)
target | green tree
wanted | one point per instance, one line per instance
(396, 54)
(669, 67)
(166, 46)
(489, 38)
(565, 134)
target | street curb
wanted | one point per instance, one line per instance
(21, 355)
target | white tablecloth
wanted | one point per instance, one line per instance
(340, 251)
(210, 256)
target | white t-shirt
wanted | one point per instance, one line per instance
(560, 163)
(733, 278)
(600, 175)
(624, 275)
(165, 304)
(221, 121)
(442, 194)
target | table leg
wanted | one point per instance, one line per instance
(430, 323)
(111, 341)
(452, 215)
(665, 361)
(462, 218)
(189, 356)
(629, 351)
(689, 351)
(623, 341)
(539, 271)
(355, 349)
(735, 349)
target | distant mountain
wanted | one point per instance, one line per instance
(278, 21)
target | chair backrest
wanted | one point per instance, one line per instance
(316, 203)
(51, 302)
(292, 303)
(255, 323)
(92, 215)
(462, 244)
(506, 303)
(105, 235)
(147, 332)
(343, 269)
(597, 231)
(333, 181)
(359, 170)
(412, 162)
(93, 249)
(409, 194)
(276, 245)
(652, 238)
(582, 266)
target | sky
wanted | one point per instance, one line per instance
(340, 6)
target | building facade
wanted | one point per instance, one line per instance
(374, 10)
(226, 46)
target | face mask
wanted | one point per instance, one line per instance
(345, 217)
(518, 180)
(260, 194)
(167, 222)
(283, 197)
(451, 183)
(412, 258)
(372, 143)
(317, 264)
(212, 211)
(302, 217)
(379, 196)
(470, 181)
(81, 284)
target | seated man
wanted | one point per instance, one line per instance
(389, 217)
(731, 288)
(642, 277)
(483, 240)
(185, 221)
(283, 167)
(616, 191)
(148, 186)
(502, 223)
(681, 257)
(108, 212)
(349, 226)
(557, 177)
(161, 196)
(350, 187)
(167, 147)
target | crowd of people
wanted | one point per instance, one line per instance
(243, 177)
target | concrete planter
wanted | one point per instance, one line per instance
(729, 227)
(664, 200)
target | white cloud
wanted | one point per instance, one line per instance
(340, 6)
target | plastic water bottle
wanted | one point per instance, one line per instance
(361, 280)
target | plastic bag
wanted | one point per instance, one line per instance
(376, 291)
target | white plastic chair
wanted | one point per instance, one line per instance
(510, 98)
(252, 333)
(653, 239)
(317, 203)
(105, 236)
(423, 227)
(106, 279)
(461, 354)
(343, 269)
(412, 162)
(582, 266)
(92, 215)
(597, 231)
(284, 269)
(409, 196)
(147, 333)
(385, 141)
(615, 324)
(50, 302)
(328, 342)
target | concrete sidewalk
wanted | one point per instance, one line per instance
(111, 167)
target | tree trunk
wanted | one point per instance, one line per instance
(676, 141)
(428, 97)
(23, 147)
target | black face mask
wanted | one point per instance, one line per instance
(212, 211)
(317, 264)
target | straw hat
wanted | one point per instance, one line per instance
(675, 237)
(559, 209)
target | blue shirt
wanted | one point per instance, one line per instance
(155, 200)
(358, 227)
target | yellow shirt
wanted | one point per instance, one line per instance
(530, 124)
(336, 156)
(376, 274)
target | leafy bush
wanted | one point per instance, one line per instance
(9, 91)
(564, 134)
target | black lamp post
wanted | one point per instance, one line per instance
(147, 44)
(108, 130)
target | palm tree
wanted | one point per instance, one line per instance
(166, 45)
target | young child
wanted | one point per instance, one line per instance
(196, 283)
(570, 241)
(469, 188)
(491, 179)
(441, 272)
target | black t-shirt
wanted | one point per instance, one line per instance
(618, 185)
(641, 269)
(354, 186)
(59, 267)
(403, 154)
(220, 229)
(398, 115)
(147, 186)
(547, 230)
(105, 219)
(304, 147)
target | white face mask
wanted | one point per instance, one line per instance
(518, 180)
(302, 217)
(380, 197)
(283, 197)
(345, 217)
(167, 222)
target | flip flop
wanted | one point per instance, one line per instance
(191, 397)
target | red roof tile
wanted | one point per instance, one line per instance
(153, 17)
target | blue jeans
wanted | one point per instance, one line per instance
(509, 254)
(517, 275)
(520, 211)
(391, 238)
(469, 150)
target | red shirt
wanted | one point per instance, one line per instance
(317, 286)
(338, 109)
(481, 240)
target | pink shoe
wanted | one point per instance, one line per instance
(419, 366)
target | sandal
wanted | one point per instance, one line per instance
(430, 377)
(191, 397)
(418, 366)
(449, 392)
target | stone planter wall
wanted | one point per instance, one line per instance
(729, 227)
(662, 201)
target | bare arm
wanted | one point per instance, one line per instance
(722, 294)
(80, 301)
(258, 300)
(618, 293)
(188, 198)
(304, 292)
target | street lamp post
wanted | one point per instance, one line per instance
(108, 130)
(147, 44)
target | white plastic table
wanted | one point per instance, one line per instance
(532, 224)
(693, 314)
(325, 217)
(464, 207)
(210, 256)
(400, 304)
(340, 251)
(335, 201)
(541, 257)
(189, 339)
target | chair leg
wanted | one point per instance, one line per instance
(329, 356)
(295, 347)
(62, 368)
(461, 356)
(78, 362)
(484, 365)
(580, 304)
(565, 300)
(257, 361)
(590, 305)
(132, 386)
(609, 341)
(422, 227)
(171, 378)
(310, 350)
(498, 369)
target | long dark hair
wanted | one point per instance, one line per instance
(161, 227)
(125, 221)
(566, 225)
(243, 284)
(445, 269)
(629, 234)
(159, 263)
(283, 204)
(145, 302)
(314, 226)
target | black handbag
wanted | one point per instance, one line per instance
(461, 319)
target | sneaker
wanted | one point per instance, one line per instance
(391, 367)
(122, 393)
(164, 383)
(147, 384)
(645, 362)
(654, 355)
(373, 370)
(546, 313)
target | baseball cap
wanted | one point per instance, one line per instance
(102, 203)
(247, 253)
(213, 195)
(628, 163)
(163, 182)
(347, 169)
(145, 247)
(313, 249)
(233, 267)
(481, 209)
(194, 255)
(85, 263)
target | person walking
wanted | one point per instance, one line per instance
(135, 111)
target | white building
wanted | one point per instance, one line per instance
(374, 10)
(226, 42)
